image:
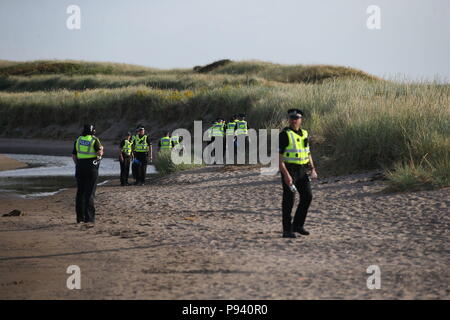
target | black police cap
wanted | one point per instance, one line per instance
(295, 113)
(88, 128)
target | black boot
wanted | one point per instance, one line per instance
(302, 231)
(289, 235)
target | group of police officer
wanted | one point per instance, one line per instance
(229, 132)
(295, 164)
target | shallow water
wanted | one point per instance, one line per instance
(47, 175)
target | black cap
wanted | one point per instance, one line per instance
(128, 133)
(88, 129)
(295, 113)
(140, 127)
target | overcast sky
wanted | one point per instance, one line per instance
(414, 39)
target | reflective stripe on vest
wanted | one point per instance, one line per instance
(165, 143)
(231, 126)
(217, 130)
(85, 147)
(140, 144)
(126, 149)
(296, 152)
(241, 127)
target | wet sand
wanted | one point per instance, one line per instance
(7, 163)
(216, 234)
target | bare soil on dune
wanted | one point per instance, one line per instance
(211, 233)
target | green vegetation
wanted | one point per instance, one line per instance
(68, 67)
(158, 81)
(412, 177)
(290, 74)
(164, 164)
(357, 122)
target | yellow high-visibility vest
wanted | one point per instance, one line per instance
(140, 143)
(296, 152)
(241, 127)
(166, 143)
(126, 149)
(231, 127)
(217, 130)
(175, 140)
(85, 147)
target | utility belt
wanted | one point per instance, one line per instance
(294, 167)
(88, 163)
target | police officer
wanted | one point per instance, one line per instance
(231, 126)
(230, 138)
(125, 158)
(177, 143)
(295, 161)
(86, 154)
(241, 133)
(218, 133)
(241, 125)
(166, 142)
(142, 150)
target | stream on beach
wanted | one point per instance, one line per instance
(47, 175)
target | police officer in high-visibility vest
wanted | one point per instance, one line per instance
(86, 154)
(125, 157)
(218, 132)
(241, 125)
(295, 161)
(241, 133)
(142, 151)
(230, 138)
(165, 143)
(177, 143)
(231, 126)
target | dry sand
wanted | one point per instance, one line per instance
(7, 163)
(216, 234)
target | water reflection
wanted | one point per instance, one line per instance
(47, 175)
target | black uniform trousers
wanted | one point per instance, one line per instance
(124, 169)
(302, 183)
(86, 174)
(141, 169)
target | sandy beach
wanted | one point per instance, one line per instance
(215, 233)
(7, 163)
